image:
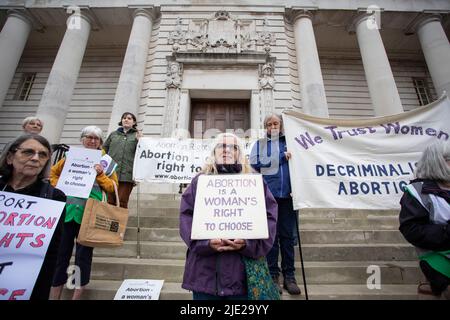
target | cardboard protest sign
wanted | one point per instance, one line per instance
(78, 174)
(360, 164)
(172, 160)
(139, 289)
(230, 207)
(27, 225)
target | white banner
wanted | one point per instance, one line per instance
(27, 225)
(230, 206)
(360, 164)
(172, 160)
(78, 174)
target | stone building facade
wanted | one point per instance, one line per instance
(194, 65)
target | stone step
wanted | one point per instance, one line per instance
(152, 209)
(311, 252)
(325, 272)
(106, 290)
(305, 223)
(306, 236)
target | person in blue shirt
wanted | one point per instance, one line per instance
(270, 157)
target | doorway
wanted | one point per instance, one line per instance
(220, 115)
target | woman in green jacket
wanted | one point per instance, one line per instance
(121, 146)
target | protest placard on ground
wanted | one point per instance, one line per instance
(139, 289)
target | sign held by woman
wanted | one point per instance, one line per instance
(229, 207)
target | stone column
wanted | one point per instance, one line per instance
(382, 88)
(436, 49)
(312, 89)
(55, 101)
(13, 38)
(128, 93)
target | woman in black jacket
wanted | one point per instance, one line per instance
(24, 168)
(425, 217)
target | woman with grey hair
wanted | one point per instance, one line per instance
(425, 218)
(270, 157)
(91, 138)
(32, 125)
(24, 168)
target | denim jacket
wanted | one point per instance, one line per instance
(261, 159)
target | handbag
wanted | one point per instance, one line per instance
(260, 285)
(103, 225)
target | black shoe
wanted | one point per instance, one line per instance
(276, 280)
(291, 286)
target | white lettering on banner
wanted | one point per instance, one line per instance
(27, 225)
(230, 207)
(172, 160)
(361, 164)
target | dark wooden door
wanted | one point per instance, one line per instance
(219, 114)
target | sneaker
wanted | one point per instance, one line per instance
(276, 280)
(291, 286)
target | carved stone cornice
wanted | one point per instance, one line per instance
(178, 36)
(423, 18)
(221, 33)
(28, 17)
(266, 38)
(295, 13)
(148, 12)
(85, 13)
(174, 74)
(266, 75)
(362, 14)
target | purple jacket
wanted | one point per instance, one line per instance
(220, 273)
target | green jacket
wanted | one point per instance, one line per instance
(122, 147)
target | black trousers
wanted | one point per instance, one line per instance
(438, 281)
(83, 256)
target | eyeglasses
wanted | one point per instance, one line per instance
(222, 146)
(92, 138)
(29, 153)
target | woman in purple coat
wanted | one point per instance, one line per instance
(214, 269)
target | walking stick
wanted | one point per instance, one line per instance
(301, 255)
(138, 243)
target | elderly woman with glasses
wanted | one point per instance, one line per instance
(214, 268)
(425, 218)
(91, 138)
(24, 167)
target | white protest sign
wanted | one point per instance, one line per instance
(172, 160)
(27, 225)
(360, 164)
(139, 289)
(78, 174)
(230, 206)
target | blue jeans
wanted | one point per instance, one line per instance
(284, 240)
(205, 296)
